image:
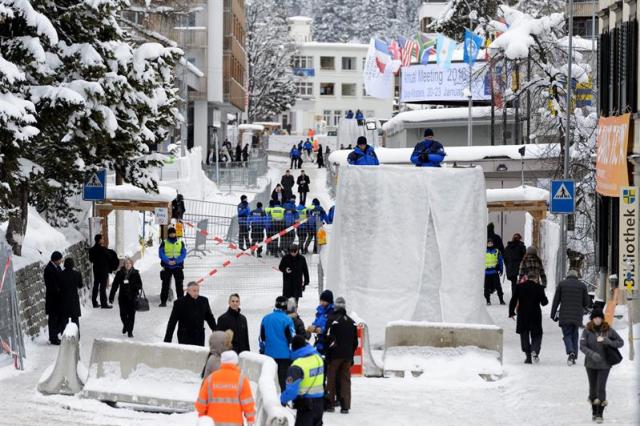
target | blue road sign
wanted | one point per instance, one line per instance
(95, 186)
(563, 197)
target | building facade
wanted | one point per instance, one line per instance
(618, 94)
(330, 83)
(212, 35)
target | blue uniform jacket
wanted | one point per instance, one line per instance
(276, 332)
(332, 210)
(497, 269)
(434, 152)
(316, 212)
(258, 220)
(366, 158)
(295, 376)
(307, 146)
(165, 260)
(243, 213)
(322, 313)
(359, 116)
(294, 153)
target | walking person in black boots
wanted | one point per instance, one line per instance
(569, 305)
(130, 284)
(236, 322)
(52, 284)
(99, 256)
(526, 302)
(513, 255)
(303, 183)
(70, 301)
(598, 342)
(493, 272)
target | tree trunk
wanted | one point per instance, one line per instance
(17, 226)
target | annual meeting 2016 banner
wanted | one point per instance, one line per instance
(431, 82)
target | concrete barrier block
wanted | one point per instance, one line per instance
(64, 376)
(443, 335)
(164, 376)
(262, 371)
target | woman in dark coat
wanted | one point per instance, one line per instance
(513, 255)
(70, 301)
(295, 274)
(128, 280)
(596, 338)
(525, 302)
(238, 152)
(277, 194)
(245, 154)
(320, 157)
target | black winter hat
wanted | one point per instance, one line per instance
(281, 303)
(171, 230)
(327, 296)
(298, 342)
(243, 197)
(428, 132)
(361, 140)
(597, 313)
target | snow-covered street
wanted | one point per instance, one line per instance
(525, 395)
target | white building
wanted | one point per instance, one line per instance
(429, 11)
(330, 83)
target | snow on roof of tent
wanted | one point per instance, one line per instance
(257, 127)
(130, 192)
(459, 153)
(299, 19)
(396, 124)
(519, 193)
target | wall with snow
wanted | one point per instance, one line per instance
(409, 244)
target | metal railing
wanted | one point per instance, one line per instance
(214, 218)
(234, 173)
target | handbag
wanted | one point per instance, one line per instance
(142, 303)
(612, 355)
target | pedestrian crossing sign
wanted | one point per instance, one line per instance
(562, 197)
(95, 186)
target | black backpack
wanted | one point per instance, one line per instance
(113, 260)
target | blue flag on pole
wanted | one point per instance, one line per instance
(472, 45)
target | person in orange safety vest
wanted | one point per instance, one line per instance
(225, 395)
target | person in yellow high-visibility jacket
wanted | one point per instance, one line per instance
(493, 271)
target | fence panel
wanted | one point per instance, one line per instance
(11, 339)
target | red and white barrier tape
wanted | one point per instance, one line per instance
(250, 249)
(4, 273)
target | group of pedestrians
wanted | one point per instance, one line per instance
(62, 302)
(311, 151)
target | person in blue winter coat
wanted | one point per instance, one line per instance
(276, 332)
(319, 325)
(258, 222)
(332, 211)
(360, 118)
(349, 115)
(363, 154)
(429, 152)
(172, 253)
(317, 216)
(493, 270)
(294, 154)
(308, 147)
(244, 211)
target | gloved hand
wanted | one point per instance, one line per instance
(424, 157)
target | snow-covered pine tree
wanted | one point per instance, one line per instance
(371, 19)
(335, 21)
(538, 8)
(455, 17)
(272, 87)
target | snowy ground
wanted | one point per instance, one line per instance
(549, 392)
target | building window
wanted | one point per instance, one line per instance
(303, 62)
(336, 117)
(305, 88)
(327, 63)
(349, 64)
(348, 89)
(583, 27)
(327, 89)
(326, 116)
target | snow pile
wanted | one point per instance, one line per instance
(424, 116)
(251, 127)
(408, 244)
(130, 192)
(520, 193)
(461, 364)
(41, 240)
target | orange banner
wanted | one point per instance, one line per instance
(611, 155)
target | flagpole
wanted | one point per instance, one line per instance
(470, 120)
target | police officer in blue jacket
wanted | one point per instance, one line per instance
(319, 326)
(243, 223)
(429, 152)
(317, 216)
(276, 333)
(258, 222)
(291, 215)
(172, 253)
(363, 154)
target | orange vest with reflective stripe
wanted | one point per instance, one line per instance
(225, 395)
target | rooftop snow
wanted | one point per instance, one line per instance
(424, 116)
(256, 127)
(520, 193)
(130, 192)
(335, 45)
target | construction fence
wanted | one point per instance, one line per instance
(226, 173)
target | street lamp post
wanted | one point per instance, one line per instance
(470, 119)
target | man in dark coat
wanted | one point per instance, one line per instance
(71, 281)
(287, 185)
(295, 274)
(177, 207)
(342, 341)
(53, 285)
(573, 299)
(190, 313)
(100, 257)
(497, 240)
(303, 182)
(528, 298)
(233, 320)
(513, 255)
